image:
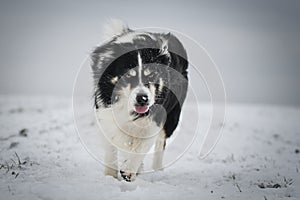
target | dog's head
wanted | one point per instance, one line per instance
(137, 78)
(133, 69)
(144, 78)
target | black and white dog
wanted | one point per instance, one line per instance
(140, 86)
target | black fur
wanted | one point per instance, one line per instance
(118, 66)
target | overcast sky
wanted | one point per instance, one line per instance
(256, 44)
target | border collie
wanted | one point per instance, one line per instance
(141, 83)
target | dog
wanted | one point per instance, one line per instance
(141, 82)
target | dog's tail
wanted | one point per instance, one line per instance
(114, 27)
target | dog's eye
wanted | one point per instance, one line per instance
(130, 73)
(147, 72)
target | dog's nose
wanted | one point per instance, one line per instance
(142, 99)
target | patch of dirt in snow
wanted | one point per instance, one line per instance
(41, 157)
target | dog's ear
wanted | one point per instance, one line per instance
(164, 44)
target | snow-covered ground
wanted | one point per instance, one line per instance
(42, 157)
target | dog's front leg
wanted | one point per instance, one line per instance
(134, 158)
(159, 151)
(130, 166)
(111, 161)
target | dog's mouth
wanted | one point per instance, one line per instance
(141, 109)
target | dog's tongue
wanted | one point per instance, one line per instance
(141, 109)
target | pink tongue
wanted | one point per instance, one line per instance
(141, 109)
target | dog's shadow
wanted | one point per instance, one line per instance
(143, 180)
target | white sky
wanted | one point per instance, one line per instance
(255, 44)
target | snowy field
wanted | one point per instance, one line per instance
(42, 157)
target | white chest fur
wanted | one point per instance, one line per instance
(129, 135)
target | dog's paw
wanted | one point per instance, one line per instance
(128, 176)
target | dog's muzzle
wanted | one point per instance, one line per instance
(142, 103)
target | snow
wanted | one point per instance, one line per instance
(257, 157)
